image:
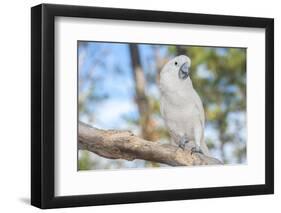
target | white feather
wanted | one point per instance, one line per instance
(181, 106)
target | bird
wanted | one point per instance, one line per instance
(181, 106)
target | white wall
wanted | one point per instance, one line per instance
(15, 105)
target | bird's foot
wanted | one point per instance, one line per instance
(182, 146)
(196, 149)
(183, 141)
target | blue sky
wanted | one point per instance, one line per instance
(114, 79)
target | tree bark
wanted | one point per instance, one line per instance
(141, 98)
(114, 144)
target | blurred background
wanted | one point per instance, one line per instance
(118, 89)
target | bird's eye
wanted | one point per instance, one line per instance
(176, 63)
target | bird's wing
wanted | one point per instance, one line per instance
(161, 106)
(199, 107)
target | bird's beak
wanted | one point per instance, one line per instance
(183, 72)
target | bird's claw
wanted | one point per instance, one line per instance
(196, 149)
(183, 141)
(182, 146)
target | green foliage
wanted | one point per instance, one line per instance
(84, 162)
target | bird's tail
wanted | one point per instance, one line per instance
(204, 147)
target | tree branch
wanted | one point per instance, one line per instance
(114, 144)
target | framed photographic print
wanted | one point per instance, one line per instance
(140, 106)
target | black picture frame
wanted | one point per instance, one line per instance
(43, 102)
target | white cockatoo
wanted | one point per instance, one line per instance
(181, 106)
